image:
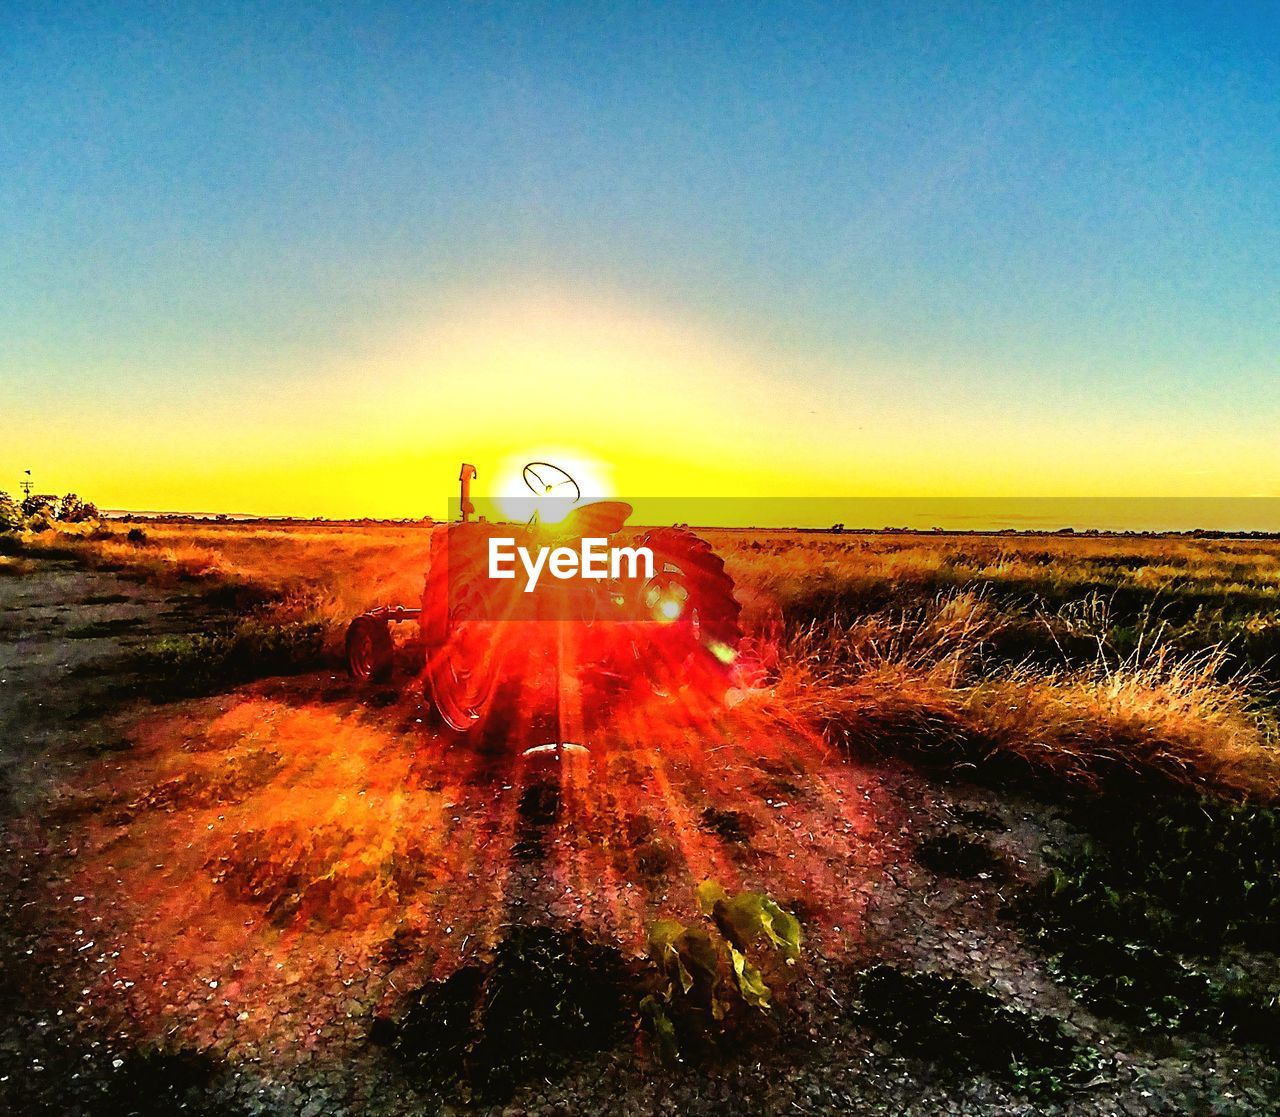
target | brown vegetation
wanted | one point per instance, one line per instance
(1074, 658)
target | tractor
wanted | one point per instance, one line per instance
(668, 630)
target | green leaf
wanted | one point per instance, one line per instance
(748, 915)
(685, 954)
(783, 929)
(739, 918)
(664, 1032)
(663, 933)
(699, 957)
(709, 894)
(664, 948)
(750, 984)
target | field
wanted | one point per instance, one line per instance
(990, 819)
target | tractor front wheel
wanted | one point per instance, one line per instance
(370, 649)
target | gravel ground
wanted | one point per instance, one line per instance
(231, 904)
(62, 632)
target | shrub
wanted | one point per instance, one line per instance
(10, 513)
(73, 510)
(34, 504)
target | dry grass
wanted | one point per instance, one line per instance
(1076, 658)
(15, 566)
(921, 683)
(1168, 714)
(314, 574)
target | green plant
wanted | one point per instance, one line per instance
(254, 648)
(1132, 919)
(706, 974)
(967, 1030)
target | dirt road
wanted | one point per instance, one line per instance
(65, 635)
(298, 897)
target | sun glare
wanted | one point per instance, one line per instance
(512, 498)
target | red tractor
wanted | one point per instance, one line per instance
(666, 629)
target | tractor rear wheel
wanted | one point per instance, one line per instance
(691, 594)
(370, 649)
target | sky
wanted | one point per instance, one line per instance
(305, 259)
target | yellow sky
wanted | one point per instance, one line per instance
(661, 405)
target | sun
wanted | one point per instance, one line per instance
(516, 499)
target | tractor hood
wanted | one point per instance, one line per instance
(592, 521)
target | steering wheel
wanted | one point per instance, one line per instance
(545, 479)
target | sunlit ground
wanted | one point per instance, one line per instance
(275, 867)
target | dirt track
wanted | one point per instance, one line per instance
(231, 902)
(64, 637)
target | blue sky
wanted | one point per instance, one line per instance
(1063, 220)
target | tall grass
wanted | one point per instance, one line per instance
(1078, 659)
(922, 682)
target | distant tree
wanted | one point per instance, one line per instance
(73, 510)
(35, 503)
(10, 513)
